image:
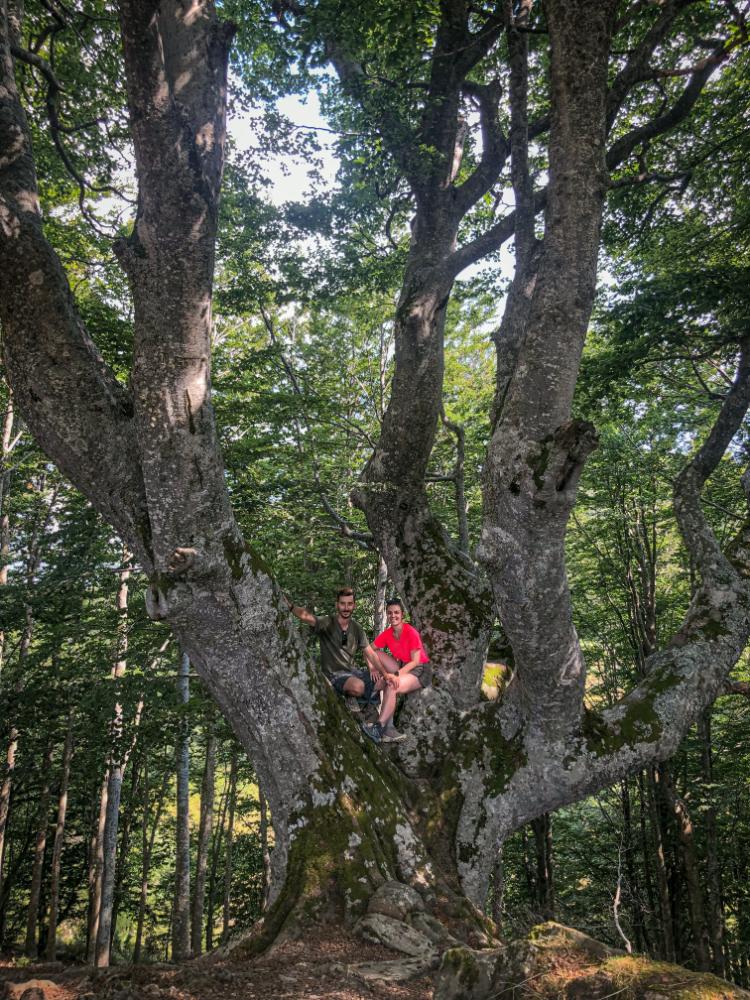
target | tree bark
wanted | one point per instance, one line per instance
(59, 843)
(181, 908)
(662, 881)
(204, 841)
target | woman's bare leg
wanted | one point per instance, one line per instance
(406, 684)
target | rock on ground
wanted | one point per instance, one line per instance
(559, 963)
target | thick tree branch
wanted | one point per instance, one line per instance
(644, 727)
(495, 148)
(523, 188)
(176, 65)
(490, 240)
(69, 399)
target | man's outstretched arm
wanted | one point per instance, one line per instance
(302, 613)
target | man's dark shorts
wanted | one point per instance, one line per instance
(370, 694)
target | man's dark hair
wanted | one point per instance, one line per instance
(344, 592)
(394, 600)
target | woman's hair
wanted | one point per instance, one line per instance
(394, 600)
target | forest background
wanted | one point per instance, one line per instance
(90, 686)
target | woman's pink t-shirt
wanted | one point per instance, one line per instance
(402, 647)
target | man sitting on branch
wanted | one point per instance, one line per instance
(341, 638)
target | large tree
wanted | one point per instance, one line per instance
(607, 80)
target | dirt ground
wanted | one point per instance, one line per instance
(315, 969)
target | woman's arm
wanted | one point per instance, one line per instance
(414, 661)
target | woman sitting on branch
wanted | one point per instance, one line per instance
(407, 669)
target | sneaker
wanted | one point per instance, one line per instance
(353, 705)
(392, 735)
(374, 732)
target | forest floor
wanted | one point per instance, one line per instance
(315, 969)
(552, 963)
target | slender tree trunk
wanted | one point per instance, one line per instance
(57, 847)
(109, 857)
(542, 828)
(204, 841)
(122, 852)
(458, 478)
(5, 794)
(662, 880)
(646, 851)
(381, 584)
(228, 859)
(630, 868)
(117, 763)
(40, 845)
(715, 910)
(265, 849)
(216, 848)
(96, 869)
(181, 921)
(6, 444)
(498, 890)
(528, 870)
(12, 747)
(9, 764)
(147, 847)
(685, 833)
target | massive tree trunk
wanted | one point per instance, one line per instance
(346, 814)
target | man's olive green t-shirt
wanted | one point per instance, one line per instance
(335, 655)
